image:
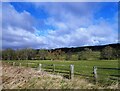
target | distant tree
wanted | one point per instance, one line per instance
(31, 54)
(107, 53)
(86, 54)
(61, 55)
(23, 54)
(68, 55)
(0, 54)
(42, 54)
(4, 55)
(8, 54)
(57, 54)
(118, 54)
(18, 54)
(115, 53)
(49, 55)
(52, 56)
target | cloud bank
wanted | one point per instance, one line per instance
(66, 25)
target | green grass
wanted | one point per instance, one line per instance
(81, 67)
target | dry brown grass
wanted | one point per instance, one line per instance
(21, 77)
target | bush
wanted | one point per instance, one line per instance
(107, 53)
(85, 55)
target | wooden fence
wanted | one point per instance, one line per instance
(40, 67)
(113, 77)
(71, 69)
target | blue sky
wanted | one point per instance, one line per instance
(54, 25)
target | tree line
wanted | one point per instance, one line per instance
(107, 53)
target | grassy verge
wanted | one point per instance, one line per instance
(84, 68)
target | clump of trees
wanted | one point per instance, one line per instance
(68, 55)
(86, 54)
(20, 54)
(32, 54)
(107, 53)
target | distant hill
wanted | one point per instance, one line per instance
(94, 48)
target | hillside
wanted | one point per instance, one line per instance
(94, 48)
(76, 53)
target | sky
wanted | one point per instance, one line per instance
(49, 25)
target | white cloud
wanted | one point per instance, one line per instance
(101, 33)
(18, 29)
(13, 18)
(73, 27)
(20, 38)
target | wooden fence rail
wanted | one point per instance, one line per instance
(95, 72)
(108, 68)
(71, 69)
(39, 68)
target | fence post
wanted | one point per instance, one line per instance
(13, 63)
(53, 67)
(40, 67)
(95, 73)
(71, 71)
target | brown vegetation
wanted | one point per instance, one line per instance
(21, 78)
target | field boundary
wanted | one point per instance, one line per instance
(112, 77)
(70, 71)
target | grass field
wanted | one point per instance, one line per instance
(84, 68)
